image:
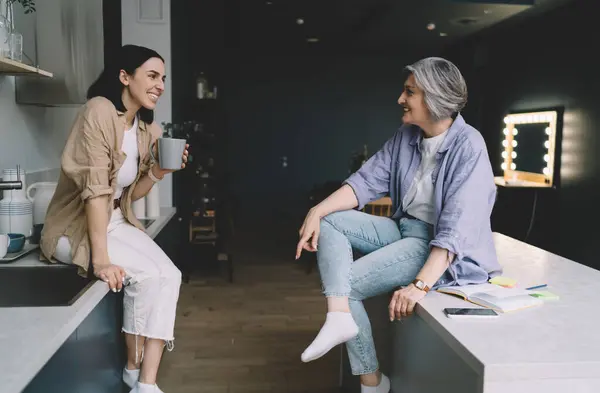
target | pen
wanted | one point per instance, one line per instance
(537, 286)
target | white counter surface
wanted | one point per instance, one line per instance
(558, 340)
(29, 336)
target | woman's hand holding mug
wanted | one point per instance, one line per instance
(167, 150)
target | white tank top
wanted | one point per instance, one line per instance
(129, 170)
(419, 200)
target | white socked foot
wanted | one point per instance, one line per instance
(338, 328)
(130, 377)
(383, 387)
(145, 388)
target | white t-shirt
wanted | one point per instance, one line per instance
(419, 200)
(129, 170)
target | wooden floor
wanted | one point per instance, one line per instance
(248, 336)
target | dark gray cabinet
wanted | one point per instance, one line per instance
(92, 358)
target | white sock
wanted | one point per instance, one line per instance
(145, 388)
(130, 377)
(339, 327)
(383, 387)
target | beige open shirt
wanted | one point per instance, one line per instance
(89, 165)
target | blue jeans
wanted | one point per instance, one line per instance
(394, 253)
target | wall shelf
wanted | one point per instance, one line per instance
(11, 67)
(502, 182)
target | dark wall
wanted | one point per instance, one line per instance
(314, 109)
(545, 62)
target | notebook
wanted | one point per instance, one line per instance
(494, 296)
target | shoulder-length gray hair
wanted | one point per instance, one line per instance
(444, 88)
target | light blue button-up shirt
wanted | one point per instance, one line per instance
(464, 194)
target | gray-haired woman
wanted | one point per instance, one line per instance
(437, 172)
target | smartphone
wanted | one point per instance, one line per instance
(470, 313)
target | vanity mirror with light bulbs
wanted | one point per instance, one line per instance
(529, 154)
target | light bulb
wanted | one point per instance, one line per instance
(515, 131)
(546, 157)
(505, 131)
(513, 166)
(546, 171)
(503, 166)
(514, 155)
(504, 154)
(547, 144)
(505, 143)
(506, 120)
(514, 143)
(548, 131)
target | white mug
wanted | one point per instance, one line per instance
(4, 243)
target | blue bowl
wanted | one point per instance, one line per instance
(17, 242)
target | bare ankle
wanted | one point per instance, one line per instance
(372, 379)
(338, 304)
(133, 365)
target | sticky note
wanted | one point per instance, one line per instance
(545, 295)
(504, 281)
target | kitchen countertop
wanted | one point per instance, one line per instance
(558, 340)
(29, 336)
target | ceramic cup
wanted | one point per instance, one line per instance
(170, 153)
(17, 242)
(4, 244)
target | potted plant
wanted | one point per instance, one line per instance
(183, 130)
(7, 23)
(28, 5)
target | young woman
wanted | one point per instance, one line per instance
(437, 172)
(105, 166)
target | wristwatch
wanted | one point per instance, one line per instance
(421, 285)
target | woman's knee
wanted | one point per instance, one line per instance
(168, 273)
(346, 220)
(334, 221)
(160, 272)
(337, 217)
(172, 275)
(156, 279)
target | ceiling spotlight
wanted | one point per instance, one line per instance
(300, 21)
(431, 26)
(443, 34)
(312, 39)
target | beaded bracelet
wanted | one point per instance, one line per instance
(152, 177)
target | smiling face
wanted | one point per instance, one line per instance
(146, 84)
(413, 103)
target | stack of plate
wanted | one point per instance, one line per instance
(16, 211)
(16, 217)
